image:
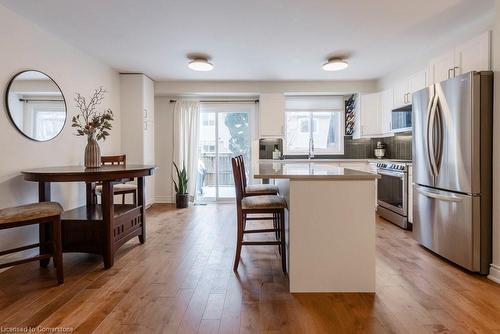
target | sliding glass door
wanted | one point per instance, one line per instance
(225, 130)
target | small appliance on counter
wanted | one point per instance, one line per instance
(379, 150)
(271, 148)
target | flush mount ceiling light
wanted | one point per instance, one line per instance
(335, 64)
(200, 64)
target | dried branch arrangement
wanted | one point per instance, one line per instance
(89, 122)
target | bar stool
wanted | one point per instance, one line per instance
(31, 214)
(262, 204)
(254, 189)
(258, 190)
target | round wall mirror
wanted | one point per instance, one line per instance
(36, 105)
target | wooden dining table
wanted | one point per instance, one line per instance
(95, 228)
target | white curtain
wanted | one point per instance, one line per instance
(186, 133)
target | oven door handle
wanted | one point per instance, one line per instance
(388, 173)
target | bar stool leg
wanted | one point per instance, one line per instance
(57, 249)
(283, 245)
(239, 240)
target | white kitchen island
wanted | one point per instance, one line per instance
(330, 225)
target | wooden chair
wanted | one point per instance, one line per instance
(258, 190)
(262, 205)
(255, 189)
(31, 214)
(120, 188)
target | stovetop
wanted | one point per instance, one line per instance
(395, 165)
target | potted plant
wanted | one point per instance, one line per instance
(93, 124)
(181, 190)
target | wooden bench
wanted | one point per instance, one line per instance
(31, 214)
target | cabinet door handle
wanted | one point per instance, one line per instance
(454, 71)
(449, 73)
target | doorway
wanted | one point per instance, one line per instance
(225, 131)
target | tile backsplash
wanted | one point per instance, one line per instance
(398, 147)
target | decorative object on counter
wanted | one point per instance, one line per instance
(276, 153)
(380, 150)
(89, 122)
(350, 104)
(267, 147)
(181, 188)
(35, 93)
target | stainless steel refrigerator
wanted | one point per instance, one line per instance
(452, 169)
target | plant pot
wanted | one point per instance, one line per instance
(92, 154)
(181, 201)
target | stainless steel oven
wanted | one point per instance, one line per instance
(392, 193)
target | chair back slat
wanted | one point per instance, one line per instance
(243, 172)
(114, 159)
(238, 183)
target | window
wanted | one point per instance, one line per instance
(314, 120)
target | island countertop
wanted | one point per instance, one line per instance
(309, 170)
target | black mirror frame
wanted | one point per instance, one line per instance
(7, 109)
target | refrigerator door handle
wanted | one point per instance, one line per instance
(438, 130)
(431, 194)
(431, 154)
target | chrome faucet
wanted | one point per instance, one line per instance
(311, 148)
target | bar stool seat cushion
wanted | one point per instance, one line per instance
(263, 202)
(29, 212)
(261, 189)
(118, 187)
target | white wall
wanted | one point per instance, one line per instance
(495, 267)
(26, 46)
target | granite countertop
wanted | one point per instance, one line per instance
(309, 171)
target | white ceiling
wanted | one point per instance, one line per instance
(253, 39)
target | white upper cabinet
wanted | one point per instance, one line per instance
(401, 90)
(369, 114)
(441, 68)
(386, 106)
(405, 88)
(473, 55)
(374, 114)
(271, 115)
(417, 82)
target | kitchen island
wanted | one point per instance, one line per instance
(330, 225)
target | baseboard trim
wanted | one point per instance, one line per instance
(164, 199)
(494, 273)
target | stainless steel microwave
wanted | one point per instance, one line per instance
(401, 119)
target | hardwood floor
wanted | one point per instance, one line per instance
(181, 281)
